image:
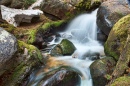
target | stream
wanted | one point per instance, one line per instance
(82, 32)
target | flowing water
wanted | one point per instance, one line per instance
(82, 31)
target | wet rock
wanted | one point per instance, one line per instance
(17, 16)
(117, 38)
(8, 46)
(64, 48)
(91, 55)
(100, 68)
(101, 37)
(68, 78)
(107, 16)
(56, 51)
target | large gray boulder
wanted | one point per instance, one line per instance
(8, 46)
(110, 12)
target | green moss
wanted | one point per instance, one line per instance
(46, 26)
(122, 81)
(67, 47)
(10, 28)
(32, 36)
(31, 49)
(109, 52)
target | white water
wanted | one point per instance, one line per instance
(82, 31)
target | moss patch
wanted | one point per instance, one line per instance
(122, 81)
(31, 49)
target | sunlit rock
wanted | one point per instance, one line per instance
(17, 16)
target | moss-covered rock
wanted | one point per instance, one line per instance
(67, 47)
(64, 48)
(117, 37)
(121, 81)
(26, 58)
(101, 69)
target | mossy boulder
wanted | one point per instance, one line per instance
(107, 16)
(117, 37)
(100, 69)
(121, 81)
(66, 47)
(23, 62)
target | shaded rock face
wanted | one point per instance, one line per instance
(8, 46)
(107, 16)
(100, 68)
(117, 37)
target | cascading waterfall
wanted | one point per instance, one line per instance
(82, 31)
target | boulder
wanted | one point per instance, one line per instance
(64, 48)
(117, 37)
(17, 16)
(8, 46)
(99, 69)
(107, 16)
